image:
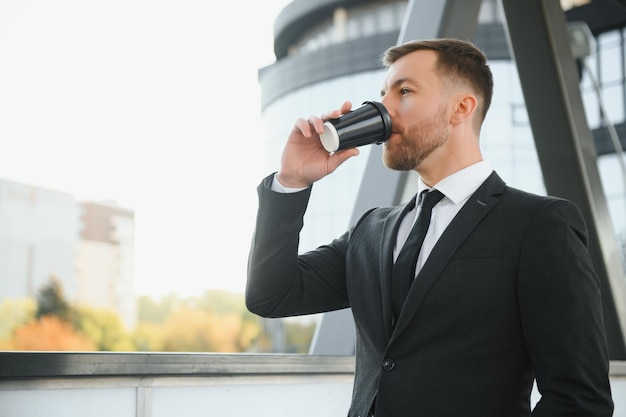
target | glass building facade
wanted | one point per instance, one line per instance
(335, 59)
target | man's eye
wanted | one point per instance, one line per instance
(404, 91)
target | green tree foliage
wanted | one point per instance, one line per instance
(216, 321)
(299, 335)
(151, 311)
(14, 313)
(148, 337)
(51, 301)
(193, 330)
(104, 328)
(52, 323)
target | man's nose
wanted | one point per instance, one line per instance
(385, 101)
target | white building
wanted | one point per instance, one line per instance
(39, 229)
(104, 260)
(87, 247)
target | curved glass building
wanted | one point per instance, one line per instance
(327, 51)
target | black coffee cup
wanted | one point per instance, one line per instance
(365, 125)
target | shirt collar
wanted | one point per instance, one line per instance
(460, 185)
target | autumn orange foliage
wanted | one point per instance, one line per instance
(52, 334)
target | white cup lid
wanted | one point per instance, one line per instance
(330, 137)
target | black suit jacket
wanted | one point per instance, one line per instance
(507, 295)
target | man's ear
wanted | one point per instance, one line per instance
(465, 107)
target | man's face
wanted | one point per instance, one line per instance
(418, 104)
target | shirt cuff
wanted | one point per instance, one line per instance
(278, 187)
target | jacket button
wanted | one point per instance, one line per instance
(388, 364)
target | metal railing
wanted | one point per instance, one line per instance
(61, 384)
(173, 384)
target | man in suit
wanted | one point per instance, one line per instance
(504, 294)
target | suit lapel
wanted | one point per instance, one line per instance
(390, 232)
(470, 215)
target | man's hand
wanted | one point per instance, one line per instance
(304, 159)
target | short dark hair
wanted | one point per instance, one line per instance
(457, 59)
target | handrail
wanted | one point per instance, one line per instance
(26, 365)
(30, 365)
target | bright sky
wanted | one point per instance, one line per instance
(153, 104)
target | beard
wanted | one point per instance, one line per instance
(416, 143)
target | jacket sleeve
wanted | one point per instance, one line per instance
(281, 282)
(561, 311)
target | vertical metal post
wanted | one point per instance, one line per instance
(548, 74)
(144, 398)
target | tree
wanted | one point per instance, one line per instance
(51, 301)
(152, 311)
(148, 337)
(299, 336)
(50, 333)
(15, 313)
(187, 331)
(104, 328)
(217, 321)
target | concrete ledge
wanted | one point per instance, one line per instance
(18, 365)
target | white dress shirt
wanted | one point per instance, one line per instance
(457, 189)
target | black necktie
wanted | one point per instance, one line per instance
(404, 268)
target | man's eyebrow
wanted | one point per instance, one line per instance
(397, 83)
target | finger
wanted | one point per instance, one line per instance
(333, 114)
(346, 107)
(304, 127)
(317, 123)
